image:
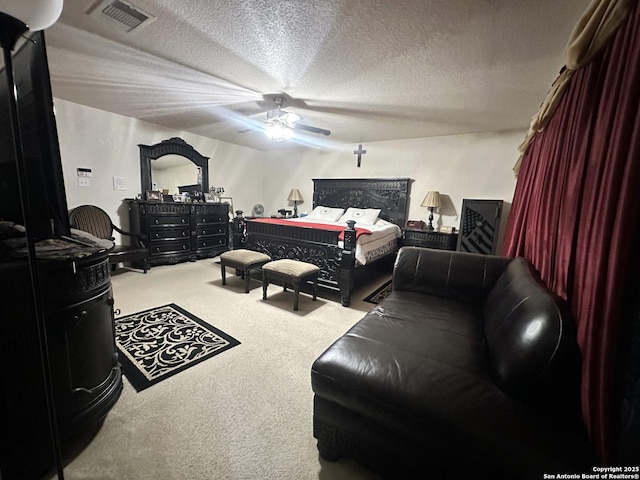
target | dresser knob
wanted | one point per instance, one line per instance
(157, 221)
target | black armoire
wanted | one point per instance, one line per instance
(479, 226)
(59, 371)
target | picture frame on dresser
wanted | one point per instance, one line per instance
(416, 224)
(228, 200)
(153, 195)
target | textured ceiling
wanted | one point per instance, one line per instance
(368, 70)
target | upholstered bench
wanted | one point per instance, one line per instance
(290, 272)
(244, 261)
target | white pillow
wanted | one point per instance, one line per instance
(327, 214)
(366, 216)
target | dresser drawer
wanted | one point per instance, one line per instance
(170, 247)
(209, 218)
(211, 241)
(424, 238)
(168, 220)
(163, 234)
(213, 229)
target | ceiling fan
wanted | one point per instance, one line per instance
(280, 123)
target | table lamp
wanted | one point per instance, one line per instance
(431, 201)
(295, 196)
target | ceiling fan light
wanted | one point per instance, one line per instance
(278, 132)
(273, 115)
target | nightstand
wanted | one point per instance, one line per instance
(425, 238)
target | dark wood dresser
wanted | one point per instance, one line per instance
(425, 238)
(177, 231)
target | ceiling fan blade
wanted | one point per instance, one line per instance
(309, 128)
(291, 118)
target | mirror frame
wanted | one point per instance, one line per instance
(171, 146)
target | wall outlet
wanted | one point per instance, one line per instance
(84, 181)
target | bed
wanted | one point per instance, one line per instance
(339, 250)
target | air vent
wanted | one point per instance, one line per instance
(122, 16)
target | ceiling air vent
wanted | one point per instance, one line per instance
(122, 16)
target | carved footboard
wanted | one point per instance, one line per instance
(316, 246)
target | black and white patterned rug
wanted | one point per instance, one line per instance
(155, 344)
(379, 293)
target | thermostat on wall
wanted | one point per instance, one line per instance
(83, 172)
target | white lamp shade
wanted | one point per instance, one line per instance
(295, 195)
(35, 14)
(432, 200)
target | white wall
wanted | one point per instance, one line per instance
(108, 144)
(475, 166)
(462, 166)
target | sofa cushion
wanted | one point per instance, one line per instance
(461, 276)
(410, 354)
(524, 330)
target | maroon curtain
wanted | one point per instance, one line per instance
(575, 213)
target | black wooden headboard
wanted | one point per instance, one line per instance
(390, 195)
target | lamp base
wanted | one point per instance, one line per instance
(430, 226)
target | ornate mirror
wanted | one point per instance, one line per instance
(173, 152)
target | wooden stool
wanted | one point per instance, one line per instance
(290, 272)
(243, 260)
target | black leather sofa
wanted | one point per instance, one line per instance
(468, 369)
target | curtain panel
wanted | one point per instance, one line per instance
(589, 36)
(575, 214)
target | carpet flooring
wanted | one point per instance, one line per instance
(246, 414)
(159, 342)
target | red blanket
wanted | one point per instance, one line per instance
(321, 226)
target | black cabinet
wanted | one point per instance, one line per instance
(77, 308)
(425, 238)
(479, 226)
(180, 231)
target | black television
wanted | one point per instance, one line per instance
(42, 186)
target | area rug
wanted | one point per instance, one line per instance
(379, 293)
(157, 343)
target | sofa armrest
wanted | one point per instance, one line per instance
(461, 276)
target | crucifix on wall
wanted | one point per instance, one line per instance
(359, 152)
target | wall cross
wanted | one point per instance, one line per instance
(359, 152)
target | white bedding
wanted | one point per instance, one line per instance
(382, 240)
